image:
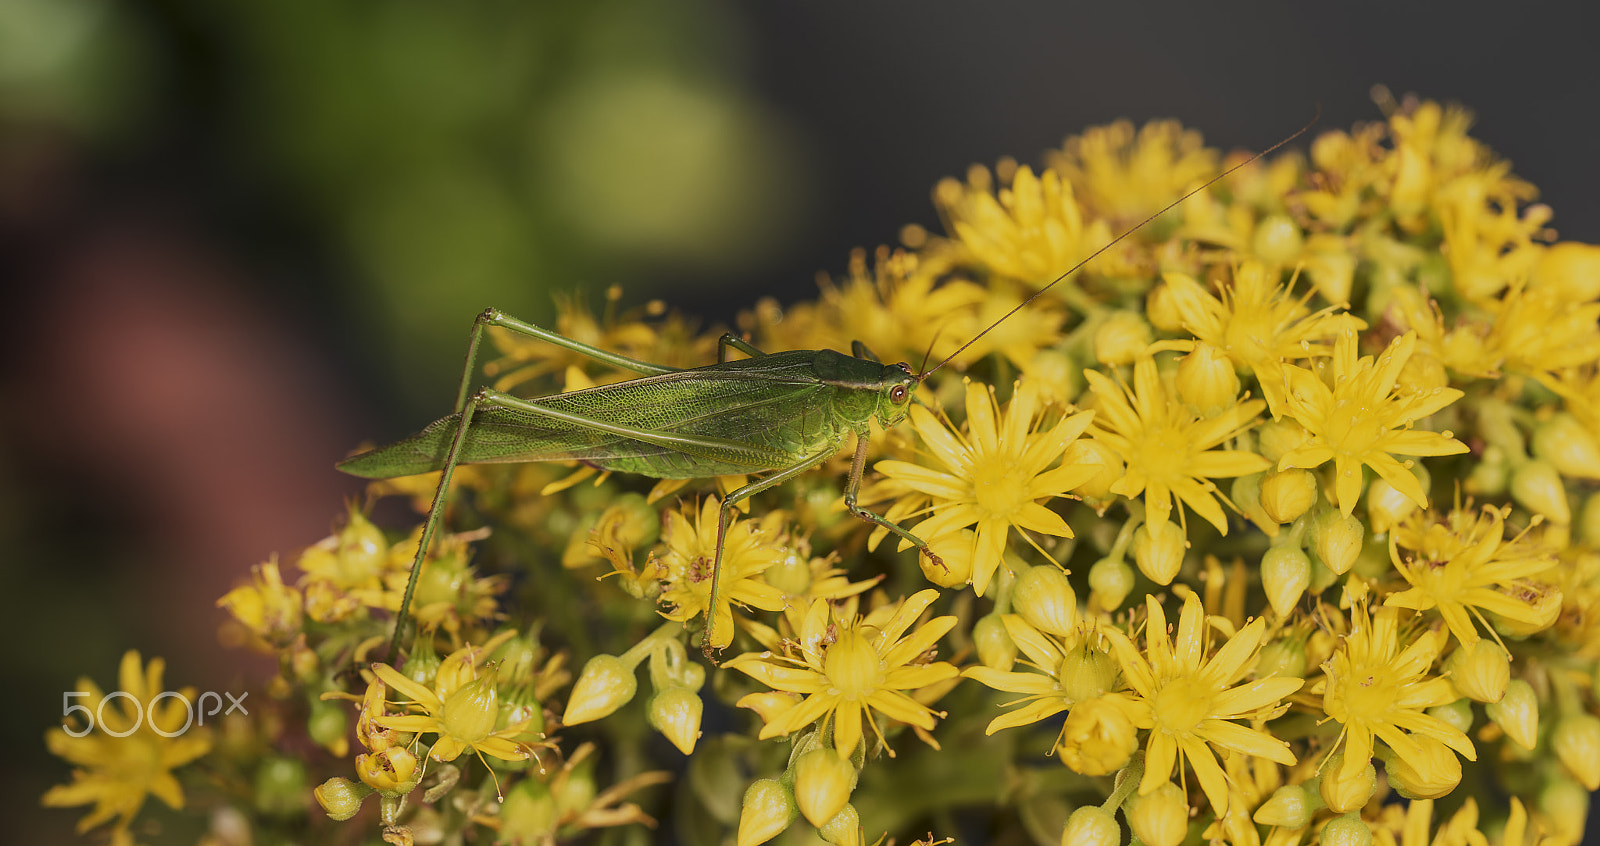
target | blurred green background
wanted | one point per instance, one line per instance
(237, 238)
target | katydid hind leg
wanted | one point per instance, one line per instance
(725, 519)
(729, 339)
(495, 317)
(853, 490)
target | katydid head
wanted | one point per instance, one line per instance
(894, 398)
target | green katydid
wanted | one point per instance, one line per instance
(780, 413)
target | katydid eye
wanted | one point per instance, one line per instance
(897, 393)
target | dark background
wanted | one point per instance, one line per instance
(237, 239)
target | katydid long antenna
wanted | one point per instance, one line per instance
(1114, 241)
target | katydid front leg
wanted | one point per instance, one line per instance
(853, 489)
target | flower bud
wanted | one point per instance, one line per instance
(1160, 817)
(1542, 605)
(792, 575)
(1337, 540)
(1110, 582)
(1430, 775)
(1576, 739)
(1347, 830)
(768, 809)
(1566, 808)
(1517, 713)
(1457, 714)
(1286, 494)
(823, 781)
(1343, 791)
(1091, 825)
(1246, 494)
(1091, 451)
(1589, 520)
(996, 649)
(1086, 672)
(1206, 380)
(529, 813)
(844, 829)
(1159, 552)
(1386, 506)
(1288, 807)
(329, 725)
(1283, 658)
(768, 704)
(1537, 487)
(1121, 338)
(1569, 269)
(1480, 671)
(605, 685)
(1278, 240)
(675, 712)
(1276, 438)
(280, 788)
(1097, 738)
(1285, 575)
(1565, 443)
(341, 798)
(1162, 309)
(1045, 598)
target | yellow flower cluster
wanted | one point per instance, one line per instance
(1370, 373)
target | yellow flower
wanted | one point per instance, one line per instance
(1167, 448)
(1380, 691)
(462, 708)
(1188, 699)
(1460, 563)
(847, 669)
(691, 551)
(1126, 176)
(1363, 417)
(996, 476)
(1069, 668)
(270, 609)
(127, 751)
(1031, 230)
(1259, 323)
(1541, 332)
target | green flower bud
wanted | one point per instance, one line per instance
(1337, 540)
(1566, 807)
(1086, 672)
(1537, 487)
(1565, 443)
(605, 685)
(1430, 775)
(1348, 830)
(1289, 806)
(341, 798)
(1091, 825)
(1276, 438)
(329, 725)
(1206, 380)
(1110, 582)
(1457, 714)
(675, 712)
(529, 813)
(823, 782)
(280, 788)
(1480, 671)
(1121, 338)
(1286, 494)
(1283, 658)
(996, 649)
(1045, 598)
(1517, 713)
(1343, 792)
(1278, 240)
(1285, 575)
(1159, 553)
(1160, 817)
(768, 809)
(1576, 739)
(844, 829)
